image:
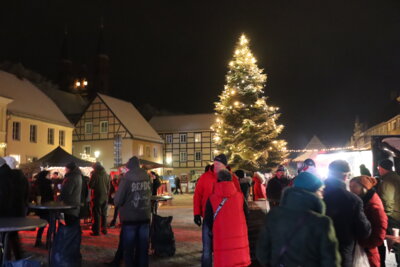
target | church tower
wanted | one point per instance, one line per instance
(101, 66)
(65, 75)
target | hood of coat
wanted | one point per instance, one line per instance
(133, 163)
(225, 189)
(302, 200)
(74, 172)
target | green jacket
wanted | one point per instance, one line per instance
(389, 191)
(100, 183)
(314, 243)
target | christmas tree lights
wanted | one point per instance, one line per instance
(245, 128)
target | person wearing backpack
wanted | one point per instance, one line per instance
(226, 219)
(297, 232)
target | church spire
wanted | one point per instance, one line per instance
(102, 64)
(65, 75)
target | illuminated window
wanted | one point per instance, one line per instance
(168, 138)
(16, 131)
(182, 138)
(197, 137)
(88, 127)
(33, 133)
(87, 150)
(168, 157)
(182, 156)
(104, 127)
(50, 136)
(61, 138)
(140, 152)
(197, 156)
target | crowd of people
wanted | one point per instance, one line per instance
(335, 221)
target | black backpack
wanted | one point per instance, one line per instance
(162, 236)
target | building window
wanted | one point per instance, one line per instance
(197, 137)
(168, 157)
(197, 156)
(87, 150)
(168, 138)
(88, 127)
(50, 136)
(33, 133)
(182, 156)
(104, 127)
(16, 131)
(155, 152)
(182, 138)
(148, 153)
(61, 138)
(140, 152)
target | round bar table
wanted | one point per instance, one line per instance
(54, 208)
(12, 224)
(157, 199)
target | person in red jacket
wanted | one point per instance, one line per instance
(259, 189)
(225, 216)
(363, 186)
(203, 190)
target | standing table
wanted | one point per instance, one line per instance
(157, 199)
(12, 224)
(54, 208)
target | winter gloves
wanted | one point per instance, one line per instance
(197, 220)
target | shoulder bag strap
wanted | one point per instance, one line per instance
(284, 248)
(220, 206)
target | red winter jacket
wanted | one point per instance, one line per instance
(229, 229)
(204, 188)
(376, 215)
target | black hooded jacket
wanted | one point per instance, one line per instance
(133, 195)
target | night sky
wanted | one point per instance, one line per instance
(326, 61)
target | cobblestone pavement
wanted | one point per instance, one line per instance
(98, 250)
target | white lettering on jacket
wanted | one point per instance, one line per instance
(139, 186)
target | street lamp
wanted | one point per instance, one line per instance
(96, 154)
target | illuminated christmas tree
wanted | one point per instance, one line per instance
(245, 128)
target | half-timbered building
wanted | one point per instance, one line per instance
(188, 142)
(112, 130)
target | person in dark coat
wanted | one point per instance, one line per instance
(363, 186)
(276, 185)
(389, 192)
(45, 192)
(346, 210)
(298, 233)
(133, 200)
(71, 193)
(100, 184)
(16, 201)
(177, 185)
(245, 183)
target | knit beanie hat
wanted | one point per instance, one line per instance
(365, 181)
(221, 158)
(307, 181)
(340, 166)
(281, 168)
(71, 165)
(387, 164)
